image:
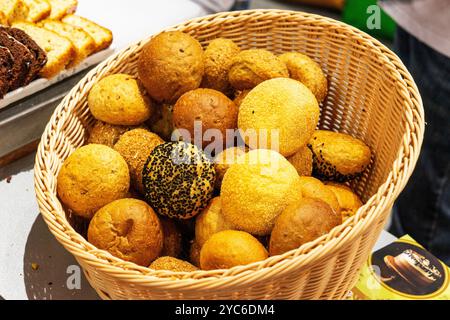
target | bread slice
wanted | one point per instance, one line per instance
(14, 10)
(60, 50)
(23, 58)
(102, 36)
(38, 10)
(40, 57)
(60, 8)
(6, 64)
(84, 44)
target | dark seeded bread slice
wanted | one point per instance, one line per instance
(40, 57)
(23, 59)
(6, 63)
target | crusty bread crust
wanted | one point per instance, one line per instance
(60, 50)
(103, 37)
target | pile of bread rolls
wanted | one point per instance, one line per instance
(155, 198)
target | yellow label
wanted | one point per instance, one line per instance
(403, 270)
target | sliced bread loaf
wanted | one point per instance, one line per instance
(3, 20)
(40, 57)
(60, 50)
(102, 36)
(84, 44)
(14, 10)
(60, 8)
(38, 10)
(23, 59)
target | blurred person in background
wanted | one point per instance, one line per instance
(423, 43)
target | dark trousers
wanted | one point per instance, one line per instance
(423, 209)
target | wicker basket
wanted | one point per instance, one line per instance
(371, 96)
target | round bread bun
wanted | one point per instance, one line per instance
(210, 221)
(178, 180)
(106, 134)
(218, 58)
(135, 146)
(161, 121)
(91, 177)
(170, 65)
(128, 229)
(338, 156)
(211, 108)
(173, 239)
(302, 160)
(194, 254)
(119, 99)
(251, 67)
(172, 264)
(314, 188)
(300, 223)
(230, 248)
(349, 202)
(282, 106)
(240, 96)
(224, 160)
(308, 72)
(256, 190)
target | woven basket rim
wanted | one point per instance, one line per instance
(304, 255)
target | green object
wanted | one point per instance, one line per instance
(367, 16)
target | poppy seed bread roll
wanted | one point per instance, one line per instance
(178, 180)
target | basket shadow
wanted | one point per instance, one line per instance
(46, 265)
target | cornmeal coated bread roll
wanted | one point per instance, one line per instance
(218, 58)
(231, 248)
(170, 65)
(129, 229)
(257, 189)
(224, 160)
(210, 221)
(106, 134)
(281, 108)
(251, 67)
(314, 188)
(308, 72)
(91, 177)
(172, 244)
(302, 160)
(172, 264)
(300, 223)
(135, 146)
(211, 108)
(178, 180)
(348, 200)
(338, 156)
(119, 99)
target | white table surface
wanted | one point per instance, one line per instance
(24, 237)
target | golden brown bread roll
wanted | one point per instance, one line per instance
(211, 108)
(314, 188)
(119, 99)
(170, 65)
(348, 200)
(302, 160)
(218, 58)
(106, 134)
(300, 223)
(172, 264)
(91, 177)
(251, 67)
(231, 248)
(128, 229)
(224, 160)
(135, 146)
